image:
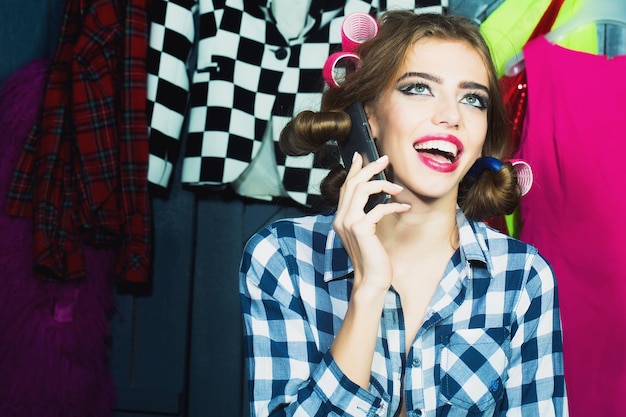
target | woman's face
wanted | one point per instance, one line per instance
(432, 121)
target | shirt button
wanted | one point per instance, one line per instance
(494, 385)
(281, 53)
(416, 362)
(416, 413)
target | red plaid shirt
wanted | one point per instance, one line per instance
(83, 173)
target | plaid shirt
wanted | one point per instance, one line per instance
(490, 343)
(82, 176)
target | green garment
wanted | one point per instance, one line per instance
(509, 26)
(507, 30)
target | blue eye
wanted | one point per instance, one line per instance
(475, 100)
(415, 89)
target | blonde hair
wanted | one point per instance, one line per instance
(491, 193)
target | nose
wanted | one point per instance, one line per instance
(447, 112)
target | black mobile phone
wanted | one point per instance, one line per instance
(360, 140)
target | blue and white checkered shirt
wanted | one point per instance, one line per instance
(490, 343)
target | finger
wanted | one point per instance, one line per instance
(359, 174)
(363, 191)
(373, 168)
(355, 166)
(380, 186)
(347, 189)
(382, 210)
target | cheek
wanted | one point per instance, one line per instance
(380, 129)
(479, 135)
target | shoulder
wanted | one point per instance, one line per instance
(287, 252)
(291, 231)
(512, 257)
(495, 244)
(292, 237)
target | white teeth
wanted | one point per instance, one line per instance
(440, 145)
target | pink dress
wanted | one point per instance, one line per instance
(574, 137)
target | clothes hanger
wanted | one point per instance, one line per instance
(590, 12)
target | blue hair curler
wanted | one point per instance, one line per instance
(522, 169)
(484, 163)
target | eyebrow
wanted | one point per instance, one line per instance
(463, 84)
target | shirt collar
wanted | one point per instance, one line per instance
(337, 263)
(472, 240)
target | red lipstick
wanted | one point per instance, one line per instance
(439, 152)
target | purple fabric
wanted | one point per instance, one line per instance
(53, 336)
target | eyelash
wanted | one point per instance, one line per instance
(480, 98)
(406, 88)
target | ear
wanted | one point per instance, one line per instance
(371, 120)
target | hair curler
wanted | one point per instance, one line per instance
(524, 175)
(357, 28)
(331, 71)
(522, 169)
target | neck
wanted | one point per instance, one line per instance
(419, 231)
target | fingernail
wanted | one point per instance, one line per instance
(383, 158)
(354, 156)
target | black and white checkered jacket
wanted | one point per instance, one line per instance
(222, 69)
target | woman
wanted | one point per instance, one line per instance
(415, 308)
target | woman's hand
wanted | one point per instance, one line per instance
(357, 230)
(354, 345)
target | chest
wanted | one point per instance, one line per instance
(427, 360)
(416, 284)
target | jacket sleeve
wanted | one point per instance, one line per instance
(536, 382)
(172, 36)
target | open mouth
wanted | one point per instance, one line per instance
(441, 151)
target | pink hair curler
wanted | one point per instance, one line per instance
(357, 28)
(524, 175)
(331, 72)
(522, 169)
